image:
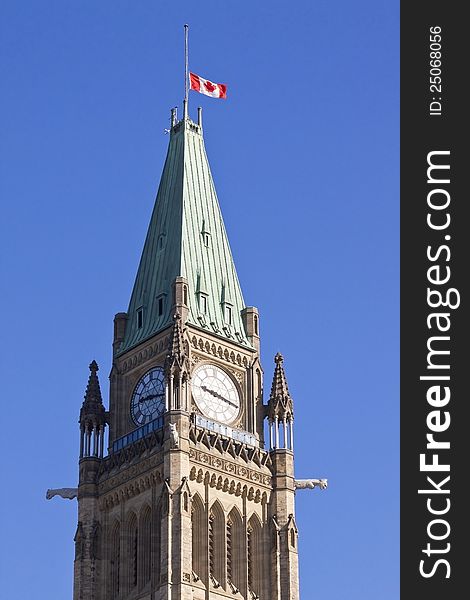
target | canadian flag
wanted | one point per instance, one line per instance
(204, 86)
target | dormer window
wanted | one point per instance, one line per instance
(140, 317)
(206, 236)
(228, 310)
(160, 304)
(203, 303)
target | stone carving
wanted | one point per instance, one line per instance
(302, 484)
(115, 494)
(205, 346)
(68, 493)
(151, 350)
(174, 437)
(230, 467)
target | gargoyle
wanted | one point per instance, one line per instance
(68, 493)
(302, 484)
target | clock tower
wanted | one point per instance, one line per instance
(190, 501)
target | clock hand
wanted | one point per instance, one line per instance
(150, 397)
(206, 389)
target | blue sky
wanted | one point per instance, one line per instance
(304, 154)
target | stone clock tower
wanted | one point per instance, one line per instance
(190, 501)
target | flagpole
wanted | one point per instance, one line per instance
(186, 73)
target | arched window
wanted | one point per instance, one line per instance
(115, 562)
(255, 556)
(95, 549)
(78, 539)
(132, 551)
(157, 535)
(198, 529)
(144, 557)
(217, 543)
(235, 549)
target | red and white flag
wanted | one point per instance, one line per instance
(204, 86)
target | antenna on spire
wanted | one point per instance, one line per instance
(186, 73)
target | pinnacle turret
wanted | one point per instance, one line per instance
(176, 353)
(280, 409)
(93, 403)
(177, 368)
(280, 401)
(92, 417)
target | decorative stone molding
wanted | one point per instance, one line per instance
(225, 445)
(229, 485)
(148, 352)
(130, 453)
(107, 481)
(227, 467)
(128, 490)
(198, 343)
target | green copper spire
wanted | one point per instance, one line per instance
(186, 238)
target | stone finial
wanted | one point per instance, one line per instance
(177, 345)
(176, 357)
(93, 391)
(93, 403)
(280, 402)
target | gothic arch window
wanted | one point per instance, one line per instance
(132, 551)
(235, 549)
(255, 556)
(156, 543)
(144, 550)
(78, 539)
(161, 304)
(292, 538)
(140, 317)
(95, 549)
(115, 560)
(217, 543)
(198, 537)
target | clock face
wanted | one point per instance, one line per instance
(148, 399)
(215, 393)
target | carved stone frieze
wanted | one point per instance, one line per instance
(230, 468)
(129, 473)
(153, 349)
(229, 485)
(124, 489)
(129, 454)
(236, 358)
